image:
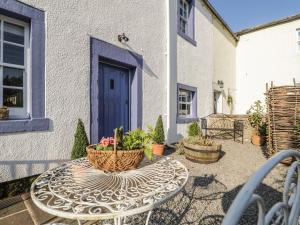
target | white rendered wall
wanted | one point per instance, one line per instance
(224, 48)
(263, 56)
(195, 63)
(69, 26)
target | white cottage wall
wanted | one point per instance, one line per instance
(195, 63)
(69, 26)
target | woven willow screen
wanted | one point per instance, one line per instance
(283, 115)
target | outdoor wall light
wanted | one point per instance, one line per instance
(220, 83)
(123, 38)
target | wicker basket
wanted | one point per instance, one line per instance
(4, 112)
(114, 161)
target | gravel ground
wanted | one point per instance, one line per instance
(212, 188)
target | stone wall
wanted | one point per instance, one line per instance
(212, 119)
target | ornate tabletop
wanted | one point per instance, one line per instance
(76, 190)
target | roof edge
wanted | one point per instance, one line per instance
(267, 25)
(219, 17)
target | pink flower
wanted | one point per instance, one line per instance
(107, 141)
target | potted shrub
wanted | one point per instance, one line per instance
(255, 117)
(199, 148)
(158, 137)
(4, 112)
(121, 152)
(80, 141)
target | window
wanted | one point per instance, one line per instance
(298, 39)
(183, 16)
(185, 22)
(14, 43)
(187, 103)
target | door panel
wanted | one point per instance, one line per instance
(113, 99)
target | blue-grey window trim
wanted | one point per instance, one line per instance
(36, 18)
(194, 104)
(191, 22)
(101, 50)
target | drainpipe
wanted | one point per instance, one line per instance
(171, 70)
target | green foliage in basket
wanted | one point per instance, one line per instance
(80, 142)
(194, 130)
(158, 136)
(135, 139)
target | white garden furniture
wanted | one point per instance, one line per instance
(76, 190)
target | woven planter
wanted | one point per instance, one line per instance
(202, 154)
(114, 161)
(4, 112)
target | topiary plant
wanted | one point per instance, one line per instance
(80, 142)
(159, 134)
(194, 130)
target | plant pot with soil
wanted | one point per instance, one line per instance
(256, 120)
(200, 149)
(4, 113)
(158, 137)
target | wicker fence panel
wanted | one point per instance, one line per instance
(283, 113)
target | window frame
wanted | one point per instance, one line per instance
(15, 112)
(193, 104)
(182, 17)
(36, 19)
(189, 35)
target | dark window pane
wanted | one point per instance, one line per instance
(13, 33)
(12, 77)
(13, 54)
(12, 97)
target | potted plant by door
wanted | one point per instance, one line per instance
(121, 152)
(255, 118)
(199, 148)
(158, 137)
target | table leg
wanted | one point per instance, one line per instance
(148, 217)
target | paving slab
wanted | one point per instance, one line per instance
(19, 218)
(11, 209)
(37, 215)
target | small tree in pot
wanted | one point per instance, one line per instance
(80, 142)
(158, 137)
(256, 120)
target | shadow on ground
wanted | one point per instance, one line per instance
(205, 201)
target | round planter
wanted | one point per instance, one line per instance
(202, 154)
(158, 149)
(112, 161)
(258, 140)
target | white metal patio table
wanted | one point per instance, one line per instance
(76, 190)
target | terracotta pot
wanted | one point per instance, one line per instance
(258, 140)
(202, 154)
(158, 149)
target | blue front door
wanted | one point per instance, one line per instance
(113, 99)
